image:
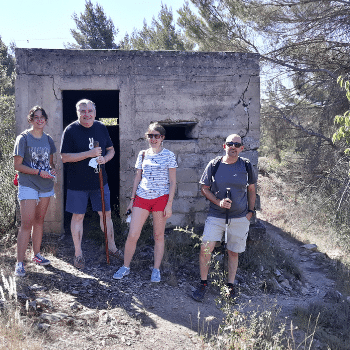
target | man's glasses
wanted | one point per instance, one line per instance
(156, 136)
(236, 144)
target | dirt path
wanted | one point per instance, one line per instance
(88, 309)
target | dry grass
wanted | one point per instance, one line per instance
(302, 217)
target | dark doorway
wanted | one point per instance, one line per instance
(107, 108)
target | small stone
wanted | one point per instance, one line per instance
(348, 299)
(43, 302)
(53, 317)
(278, 273)
(312, 247)
(37, 287)
(75, 292)
(87, 313)
(43, 326)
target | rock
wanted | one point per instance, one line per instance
(304, 291)
(43, 326)
(348, 299)
(40, 302)
(32, 304)
(277, 273)
(334, 296)
(88, 314)
(52, 318)
(37, 287)
(312, 247)
(285, 284)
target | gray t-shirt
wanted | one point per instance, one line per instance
(235, 177)
(36, 155)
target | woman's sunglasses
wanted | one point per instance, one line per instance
(156, 136)
(236, 144)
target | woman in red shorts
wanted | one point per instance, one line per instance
(153, 192)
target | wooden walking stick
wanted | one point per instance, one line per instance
(99, 170)
(228, 195)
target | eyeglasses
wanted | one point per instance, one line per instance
(236, 144)
(156, 136)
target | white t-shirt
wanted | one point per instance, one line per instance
(155, 173)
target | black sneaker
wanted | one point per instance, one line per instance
(199, 293)
(231, 292)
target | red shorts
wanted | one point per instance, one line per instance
(156, 204)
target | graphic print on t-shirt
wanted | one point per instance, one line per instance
(91, 142)
(40, 158)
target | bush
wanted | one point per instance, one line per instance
(7, 189)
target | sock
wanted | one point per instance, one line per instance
(205, 282)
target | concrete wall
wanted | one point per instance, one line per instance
(219, 91)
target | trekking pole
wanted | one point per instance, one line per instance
(96, 144)
(228, 195)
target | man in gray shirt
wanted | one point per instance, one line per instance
(236, 173)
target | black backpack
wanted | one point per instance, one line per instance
(215, 166)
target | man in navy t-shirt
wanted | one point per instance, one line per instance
(235, 173)
(77, 151)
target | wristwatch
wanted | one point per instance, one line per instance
(251, 211)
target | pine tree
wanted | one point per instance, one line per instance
(94, 29)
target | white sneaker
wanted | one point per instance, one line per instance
(19, 270)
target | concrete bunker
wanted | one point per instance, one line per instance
(199, 97)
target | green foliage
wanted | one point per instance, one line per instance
(7, 71)
(7, 136)
(94, 29)
(161, 35)
(343, 121)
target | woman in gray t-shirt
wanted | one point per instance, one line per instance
(33, 160)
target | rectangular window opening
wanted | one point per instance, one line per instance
(180, 131)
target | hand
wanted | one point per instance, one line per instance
(95, 152)
(130, 206)
(101, 160)
(225, 203)
(168, 211)
(249, 216)
(45, 175)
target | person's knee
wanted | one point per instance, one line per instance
(77, 218)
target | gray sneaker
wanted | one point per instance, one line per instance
(123, 271)
(155, 277)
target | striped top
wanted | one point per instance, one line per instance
(155, 174)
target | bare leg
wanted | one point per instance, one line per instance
(27, 208)
(76, 227)
(110, 229)
(159, 222)
(138, 218)
(204, 258)
(232, 266)
(38, 224)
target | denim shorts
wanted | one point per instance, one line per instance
(77, 201)
(237, 232)
(25, 192)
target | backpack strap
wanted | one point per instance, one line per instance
(216, 163)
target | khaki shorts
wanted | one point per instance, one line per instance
(237, 232)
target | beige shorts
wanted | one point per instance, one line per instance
(237, 232)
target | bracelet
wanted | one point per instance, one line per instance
(250, 211)
(39, 172)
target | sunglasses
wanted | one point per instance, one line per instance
(236, 144)
(156, 136)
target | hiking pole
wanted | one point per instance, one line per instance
(96, 144)
(228, 195)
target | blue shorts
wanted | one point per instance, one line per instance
(25, 192)
(77, 200)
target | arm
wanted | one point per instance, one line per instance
(224, 203)
(251, 194)
(19, 166)
(134, 188)
(172, 180)
(52, 166)
(77, 157)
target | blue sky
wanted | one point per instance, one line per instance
(46, 24)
